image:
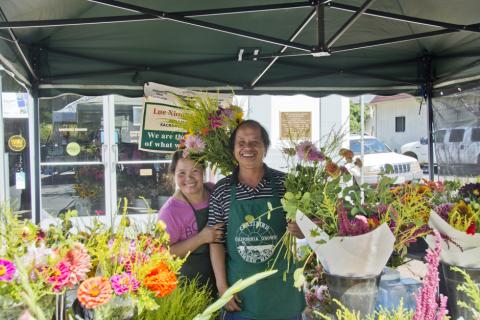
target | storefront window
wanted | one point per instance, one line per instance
(16, 160)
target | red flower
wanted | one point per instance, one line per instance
(472, 228)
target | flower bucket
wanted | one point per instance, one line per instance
(452, 280)
(355, 293)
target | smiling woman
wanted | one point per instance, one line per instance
(185, 214)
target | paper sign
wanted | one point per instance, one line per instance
(73, 149)
(20, 180)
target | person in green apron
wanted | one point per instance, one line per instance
(249, 247)
(185, 215)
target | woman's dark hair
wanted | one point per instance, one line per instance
(251, 124)
(176, 156)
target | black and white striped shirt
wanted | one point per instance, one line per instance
(219, 206)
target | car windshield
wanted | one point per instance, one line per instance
(371, 146)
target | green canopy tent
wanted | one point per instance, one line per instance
(315, 47)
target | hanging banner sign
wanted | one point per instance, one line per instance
(17, 143)
(159, 107)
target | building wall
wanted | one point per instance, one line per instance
(329, 113)
(382, 122)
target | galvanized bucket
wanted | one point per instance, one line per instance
(452, 280)
(358, 294)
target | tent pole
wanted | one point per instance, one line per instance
(35, 144)
(427, 66)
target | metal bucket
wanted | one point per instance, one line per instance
(452, 280)
(358, 294)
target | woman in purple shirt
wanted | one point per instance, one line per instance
(186, 213)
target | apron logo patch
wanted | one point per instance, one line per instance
(255, 241)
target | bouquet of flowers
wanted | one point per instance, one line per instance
(458, 220)
(208, 126)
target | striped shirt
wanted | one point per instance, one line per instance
(219, 206)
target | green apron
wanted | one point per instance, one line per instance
(250, 249)
(198, 263)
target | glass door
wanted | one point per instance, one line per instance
(140, 177)
(74, 157)
(90, 160)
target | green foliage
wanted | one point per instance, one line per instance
(355, 116)
(472, 291)
(383, 314)
(182, 304)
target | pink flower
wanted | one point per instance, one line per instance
(428, 307)
(59, 276)
(79, 263)
(307, 151)
(194, 144)
(215, 121)
(7, 270)
(321, 292)
(124, 283)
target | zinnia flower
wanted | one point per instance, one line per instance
(59, 276)
(124, 283)
(7, 270)
(160, 280)
(347, 154)
(94, 292)
(79, 263)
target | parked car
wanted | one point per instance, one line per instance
(380, 159)
(418, 150)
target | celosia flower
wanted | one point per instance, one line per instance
(427, 305)
(215, 121)
(94, 292)
(307, 151)
(194, 144)
(79, 263)
(124, 283)
(160, 280)
(7, 270)
(346, 227)
(443, 210)
(59, 275)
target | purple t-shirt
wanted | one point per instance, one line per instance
(180, 218)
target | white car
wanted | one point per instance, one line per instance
(418, 150)
(380, 159)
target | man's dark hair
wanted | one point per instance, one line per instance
(251, 124)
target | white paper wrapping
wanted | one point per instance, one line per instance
(464, 252)
(356, 256)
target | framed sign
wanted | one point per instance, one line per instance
(295, 125)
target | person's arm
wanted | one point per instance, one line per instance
(217, 257)
(207, 235)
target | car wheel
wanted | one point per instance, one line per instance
(411, 154)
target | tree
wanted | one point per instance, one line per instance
(355, 116)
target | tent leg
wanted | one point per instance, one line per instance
(428, 97)
(35, 144)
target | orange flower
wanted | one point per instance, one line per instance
(94, 292)
(160, 280)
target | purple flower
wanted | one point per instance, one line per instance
(307, 151)
(444, 209)
(7, 270)
(194, 145)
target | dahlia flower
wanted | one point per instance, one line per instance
(79, 263)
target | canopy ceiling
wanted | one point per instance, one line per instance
(251, 46)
